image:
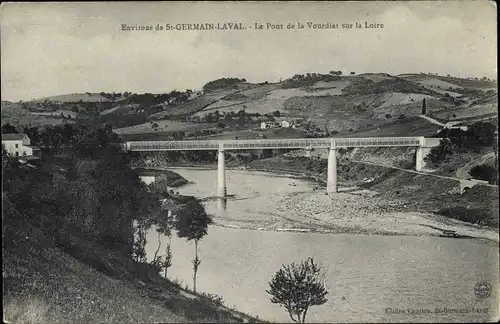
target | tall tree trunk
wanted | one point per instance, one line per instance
(195, 264)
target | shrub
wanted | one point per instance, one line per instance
(471, 215)
(484, 172)
(442, 152)
(298, 287)
(213, 298)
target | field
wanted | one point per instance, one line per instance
(15, 114)
(92, 97)
(365, 102)
(489, 110)
(436, 83)
(164, 126)
(410, 127)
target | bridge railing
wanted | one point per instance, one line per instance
(273, 143)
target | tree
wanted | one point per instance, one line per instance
(483, 133)
(353, 73)
(442, 152)
(192, 223)
(424, 108)
(297, 288)
(139, 248)
(484, 172)
(277, 113)
(9, 129)
(267, 153)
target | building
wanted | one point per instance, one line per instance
(18, 145)
(284, 123)
(263, 125)
(455, 125)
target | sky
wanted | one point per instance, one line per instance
(61, 48)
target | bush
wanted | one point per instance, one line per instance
(213, 298)
(442, 152)
(484, 172)
(471, 215)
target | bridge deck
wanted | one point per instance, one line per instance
(272, 143)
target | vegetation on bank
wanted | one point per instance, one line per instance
(478, 137)
(68, 225)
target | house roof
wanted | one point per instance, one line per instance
(12, 137)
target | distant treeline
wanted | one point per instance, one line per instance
(221, 84)
(309, 79)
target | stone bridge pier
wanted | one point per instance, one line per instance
(331, 182)
(221, 173)
(426, 144)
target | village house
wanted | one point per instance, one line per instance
(18, 145)
(280, 122)
(284, 124)
(455, 125)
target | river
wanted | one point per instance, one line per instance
(370, 278)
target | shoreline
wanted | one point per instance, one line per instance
(396, 222)
(284, 172)
(340, 232)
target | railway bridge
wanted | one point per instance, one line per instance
(422, 145)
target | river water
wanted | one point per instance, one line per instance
(370, 278)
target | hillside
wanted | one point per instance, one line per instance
(340, 103)
(69, 244)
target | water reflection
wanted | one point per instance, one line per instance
(221, 204)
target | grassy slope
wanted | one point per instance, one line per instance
(93, 97)
(85, 283)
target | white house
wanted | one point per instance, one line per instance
(263, 125)
(455, 125)
(148, 179)
(285, 124)
(17, 144)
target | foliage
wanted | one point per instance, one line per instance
(484, 172)
(94, 194)
(213, 298)
(442, 152)
(477, 136)
(300, 80)
(9, 129)
(471, 215)
(297, 288)
(192, 223)
(139, 249)
(221, 84)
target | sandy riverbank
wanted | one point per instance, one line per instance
(356, 212)
(352, 210)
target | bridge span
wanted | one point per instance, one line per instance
(422, 145)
